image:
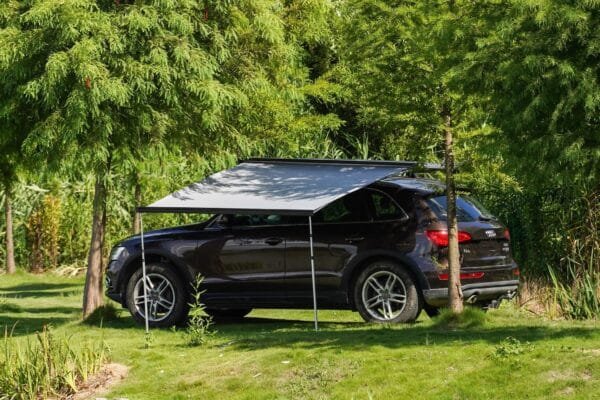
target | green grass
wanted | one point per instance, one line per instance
(277, 355)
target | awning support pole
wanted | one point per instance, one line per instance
(144, 273)
(312, 270)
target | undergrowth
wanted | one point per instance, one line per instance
(46, 367)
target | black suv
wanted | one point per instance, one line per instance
(381, 251)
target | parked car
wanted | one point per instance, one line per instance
(381, 251)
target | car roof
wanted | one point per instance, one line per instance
(421, 185)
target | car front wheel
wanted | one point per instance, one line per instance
(167, 298)
(386, 293)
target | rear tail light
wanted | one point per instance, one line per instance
(440, 238)
(506, 234)
(463, 276)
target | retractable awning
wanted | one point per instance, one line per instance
(275, 186)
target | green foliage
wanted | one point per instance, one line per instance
(536, 65)
(43, 227)
(48, 366)
(510, 348)
(577, 282)
(198, 327)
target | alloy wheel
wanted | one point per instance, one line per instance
(384, 295)
(161, 297)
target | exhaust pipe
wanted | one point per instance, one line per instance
(509, 295)
(472, 299)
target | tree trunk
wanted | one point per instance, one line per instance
(455, 296)
(92, 295)
(10, 244)
(138, 202)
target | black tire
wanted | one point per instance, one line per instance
(179, 296)
(227, 313)
(407, 312)
(431, 311)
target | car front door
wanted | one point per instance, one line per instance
(247, 265)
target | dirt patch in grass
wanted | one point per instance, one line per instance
(594, 352)
(555, 376)
(100, 383)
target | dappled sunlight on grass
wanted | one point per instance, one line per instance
(277, 353)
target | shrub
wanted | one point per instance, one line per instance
(510, 347)
(46, 367)
(43, 226)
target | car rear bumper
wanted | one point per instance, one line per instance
(474, 292)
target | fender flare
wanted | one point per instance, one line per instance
(131, 265)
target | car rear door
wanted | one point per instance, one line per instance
(340, 231)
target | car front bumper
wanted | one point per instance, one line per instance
(474, 292)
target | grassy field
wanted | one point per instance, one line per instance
(277, 355)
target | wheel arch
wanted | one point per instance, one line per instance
(135, 262)
(359, 264)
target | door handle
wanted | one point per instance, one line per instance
(273, 241)
(355, 239)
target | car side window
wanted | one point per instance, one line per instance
(253, 220)
(384, 207)
(350, 208)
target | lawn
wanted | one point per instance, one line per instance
(277, 355)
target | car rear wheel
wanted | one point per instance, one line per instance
(386, 293)
(167, 297)
(227, 313)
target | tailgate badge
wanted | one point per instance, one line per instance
(490, 233)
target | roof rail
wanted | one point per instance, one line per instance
(407, 164)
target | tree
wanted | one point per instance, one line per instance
(104, 81)
(12, 128)
(398, 66)
(100, 69)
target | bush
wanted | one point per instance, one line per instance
(43, 227)
(47, 367)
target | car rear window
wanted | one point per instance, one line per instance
(467, 209)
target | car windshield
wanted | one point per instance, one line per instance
(467, 209)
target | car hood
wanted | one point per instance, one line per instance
(164, 232)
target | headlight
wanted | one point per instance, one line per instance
(116, 253)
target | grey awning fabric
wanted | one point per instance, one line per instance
(272, 186)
